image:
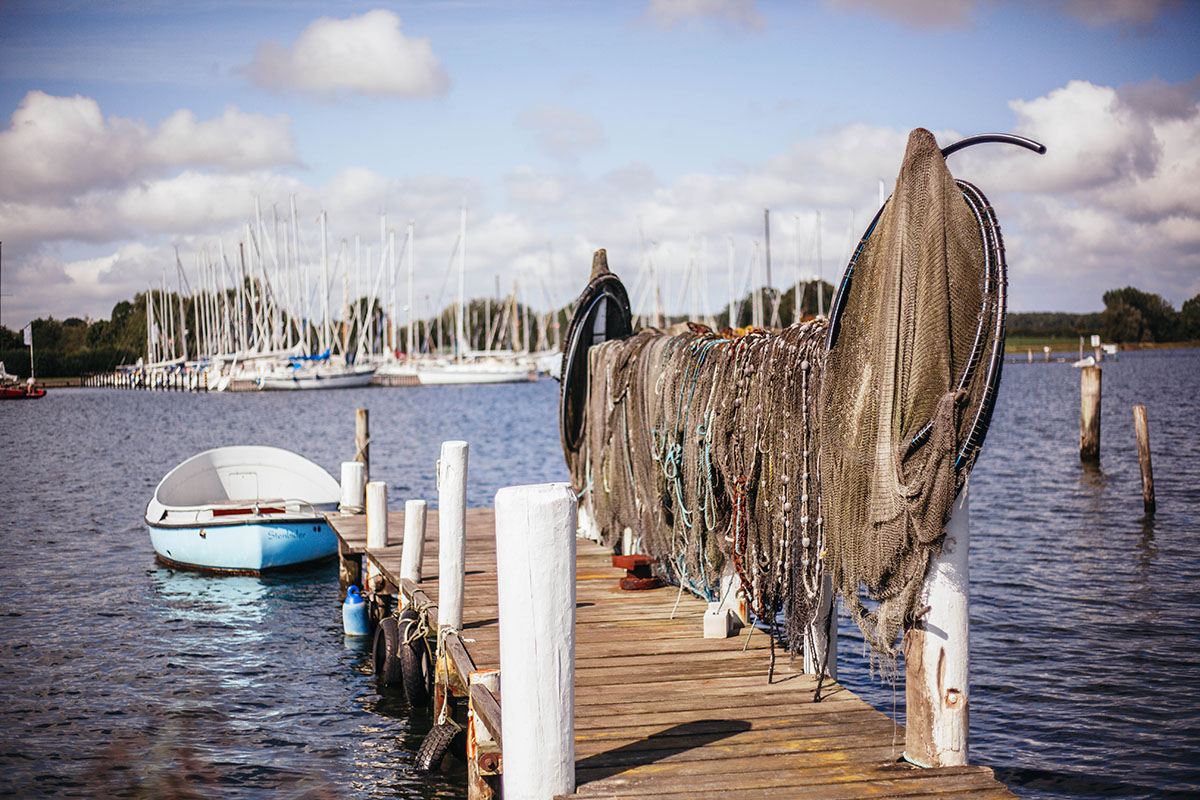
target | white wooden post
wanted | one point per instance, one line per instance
(936, 657)
(535, 565)
(588, 528)
(377, 518)
(353, 478)
(821, 640)
(452, 533)
(414, 540)
(377, 531)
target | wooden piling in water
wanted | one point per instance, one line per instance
(362, 441)
(936, 657)
(1142, 426)
(1089, 414)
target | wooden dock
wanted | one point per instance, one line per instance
(661, 712)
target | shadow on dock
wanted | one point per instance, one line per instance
(659, 746)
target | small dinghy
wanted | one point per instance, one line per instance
(243, 509)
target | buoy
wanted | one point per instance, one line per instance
(354, 613)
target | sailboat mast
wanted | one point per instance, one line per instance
(820, 288)
(412, 317)
(326, 334)
(462, 272)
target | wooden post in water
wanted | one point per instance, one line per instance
(1143, 444)
(452, 533)
(535, 576)
(1089, 414)
(414, 540)
(936, 658)
(362, 441)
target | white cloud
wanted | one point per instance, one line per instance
(61, 147)
(932, 14)
(58, 145)
(737, 14)
(1119, 12)
(234, 140)
(367, 54)
(563, 133)
(915, 13)
(1116, 201)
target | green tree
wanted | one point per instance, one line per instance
(1131, 315)
(1189, 319)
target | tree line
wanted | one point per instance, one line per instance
(75, 347)
(1130, 316)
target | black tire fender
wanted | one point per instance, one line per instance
(416, 663)
(434, 747)
(388, 667)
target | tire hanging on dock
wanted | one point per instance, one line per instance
(388, 668)
(434, 746)
(415, 660)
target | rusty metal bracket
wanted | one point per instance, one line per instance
(637, 572)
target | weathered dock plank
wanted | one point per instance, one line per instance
(662, 713)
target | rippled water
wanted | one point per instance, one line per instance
(123, 678)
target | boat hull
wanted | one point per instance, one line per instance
(345, 380)
(21, 393)
(453, 374)
(245, 547)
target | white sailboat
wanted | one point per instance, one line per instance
(472, 367)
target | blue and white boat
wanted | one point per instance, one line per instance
(243, 509)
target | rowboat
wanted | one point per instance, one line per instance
(243, 509)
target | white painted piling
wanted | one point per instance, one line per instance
(535, 565)
(821, 639)
(936, 655)
(452, 532)
(353, 485)
(377, 515)
(414, 540)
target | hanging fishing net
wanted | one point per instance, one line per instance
(832, 446)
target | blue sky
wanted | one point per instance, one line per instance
(130, 129)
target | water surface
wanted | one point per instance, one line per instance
(124, 678)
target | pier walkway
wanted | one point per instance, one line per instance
(663, 713)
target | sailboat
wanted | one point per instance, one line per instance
(472, 367)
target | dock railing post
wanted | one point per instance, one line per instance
(362, 441)
(377, 533)
(936, 658)
(452, 533)
(414, 540)
(535, 569)
(353, 486)
(377, 519)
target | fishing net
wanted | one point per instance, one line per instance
(834, 446)
(905, 388)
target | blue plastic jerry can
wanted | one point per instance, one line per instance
(354, 613)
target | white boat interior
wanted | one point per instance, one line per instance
(232, 483)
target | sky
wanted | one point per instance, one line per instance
(659, 130)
